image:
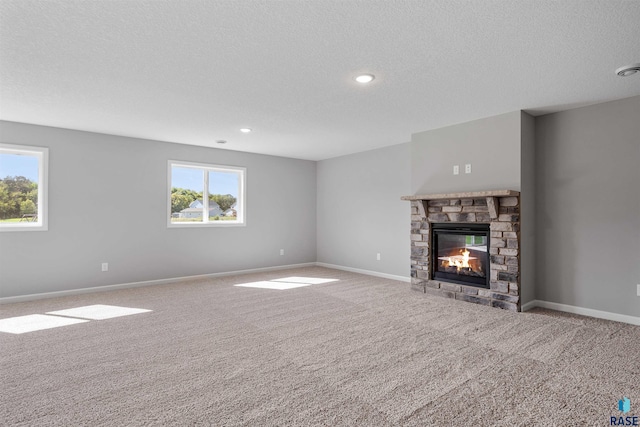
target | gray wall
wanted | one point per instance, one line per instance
(360, 212)
(108, 203)
(528, 268)
(491, 145)
(588, 197)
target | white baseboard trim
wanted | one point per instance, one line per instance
(367, 272)
(56, 294)
(633, 320)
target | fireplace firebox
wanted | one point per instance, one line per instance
(460, 253)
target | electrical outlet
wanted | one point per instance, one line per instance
(467, 168)
(639, 290)
(456, 170)
(378, 256)
(281, 251)
(105, 266)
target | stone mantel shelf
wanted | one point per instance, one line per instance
(464, 195)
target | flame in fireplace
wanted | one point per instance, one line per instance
(458, 261)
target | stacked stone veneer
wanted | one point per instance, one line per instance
(503, 216)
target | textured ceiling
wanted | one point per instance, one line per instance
(194, 72)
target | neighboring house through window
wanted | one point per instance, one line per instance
(195, 210)
(232, 211)
(204, 194)
(23, 187)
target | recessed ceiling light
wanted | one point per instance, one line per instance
(245, 130)
(365, 78)
(628, 70)
(221, 141)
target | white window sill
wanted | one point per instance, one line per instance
(207, 224)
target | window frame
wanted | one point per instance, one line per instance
(241, 204)
(42, 154)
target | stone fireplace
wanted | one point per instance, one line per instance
(467, 246)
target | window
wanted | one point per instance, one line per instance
(23, 187)
(205, 195)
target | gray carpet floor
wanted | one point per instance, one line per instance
(358, 351)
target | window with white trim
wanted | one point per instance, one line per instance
(205, 195)
(23, 187)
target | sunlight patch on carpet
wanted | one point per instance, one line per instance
(281, 286)
(34, 322)
(287, 283)
(307, 280)
(98, 312)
